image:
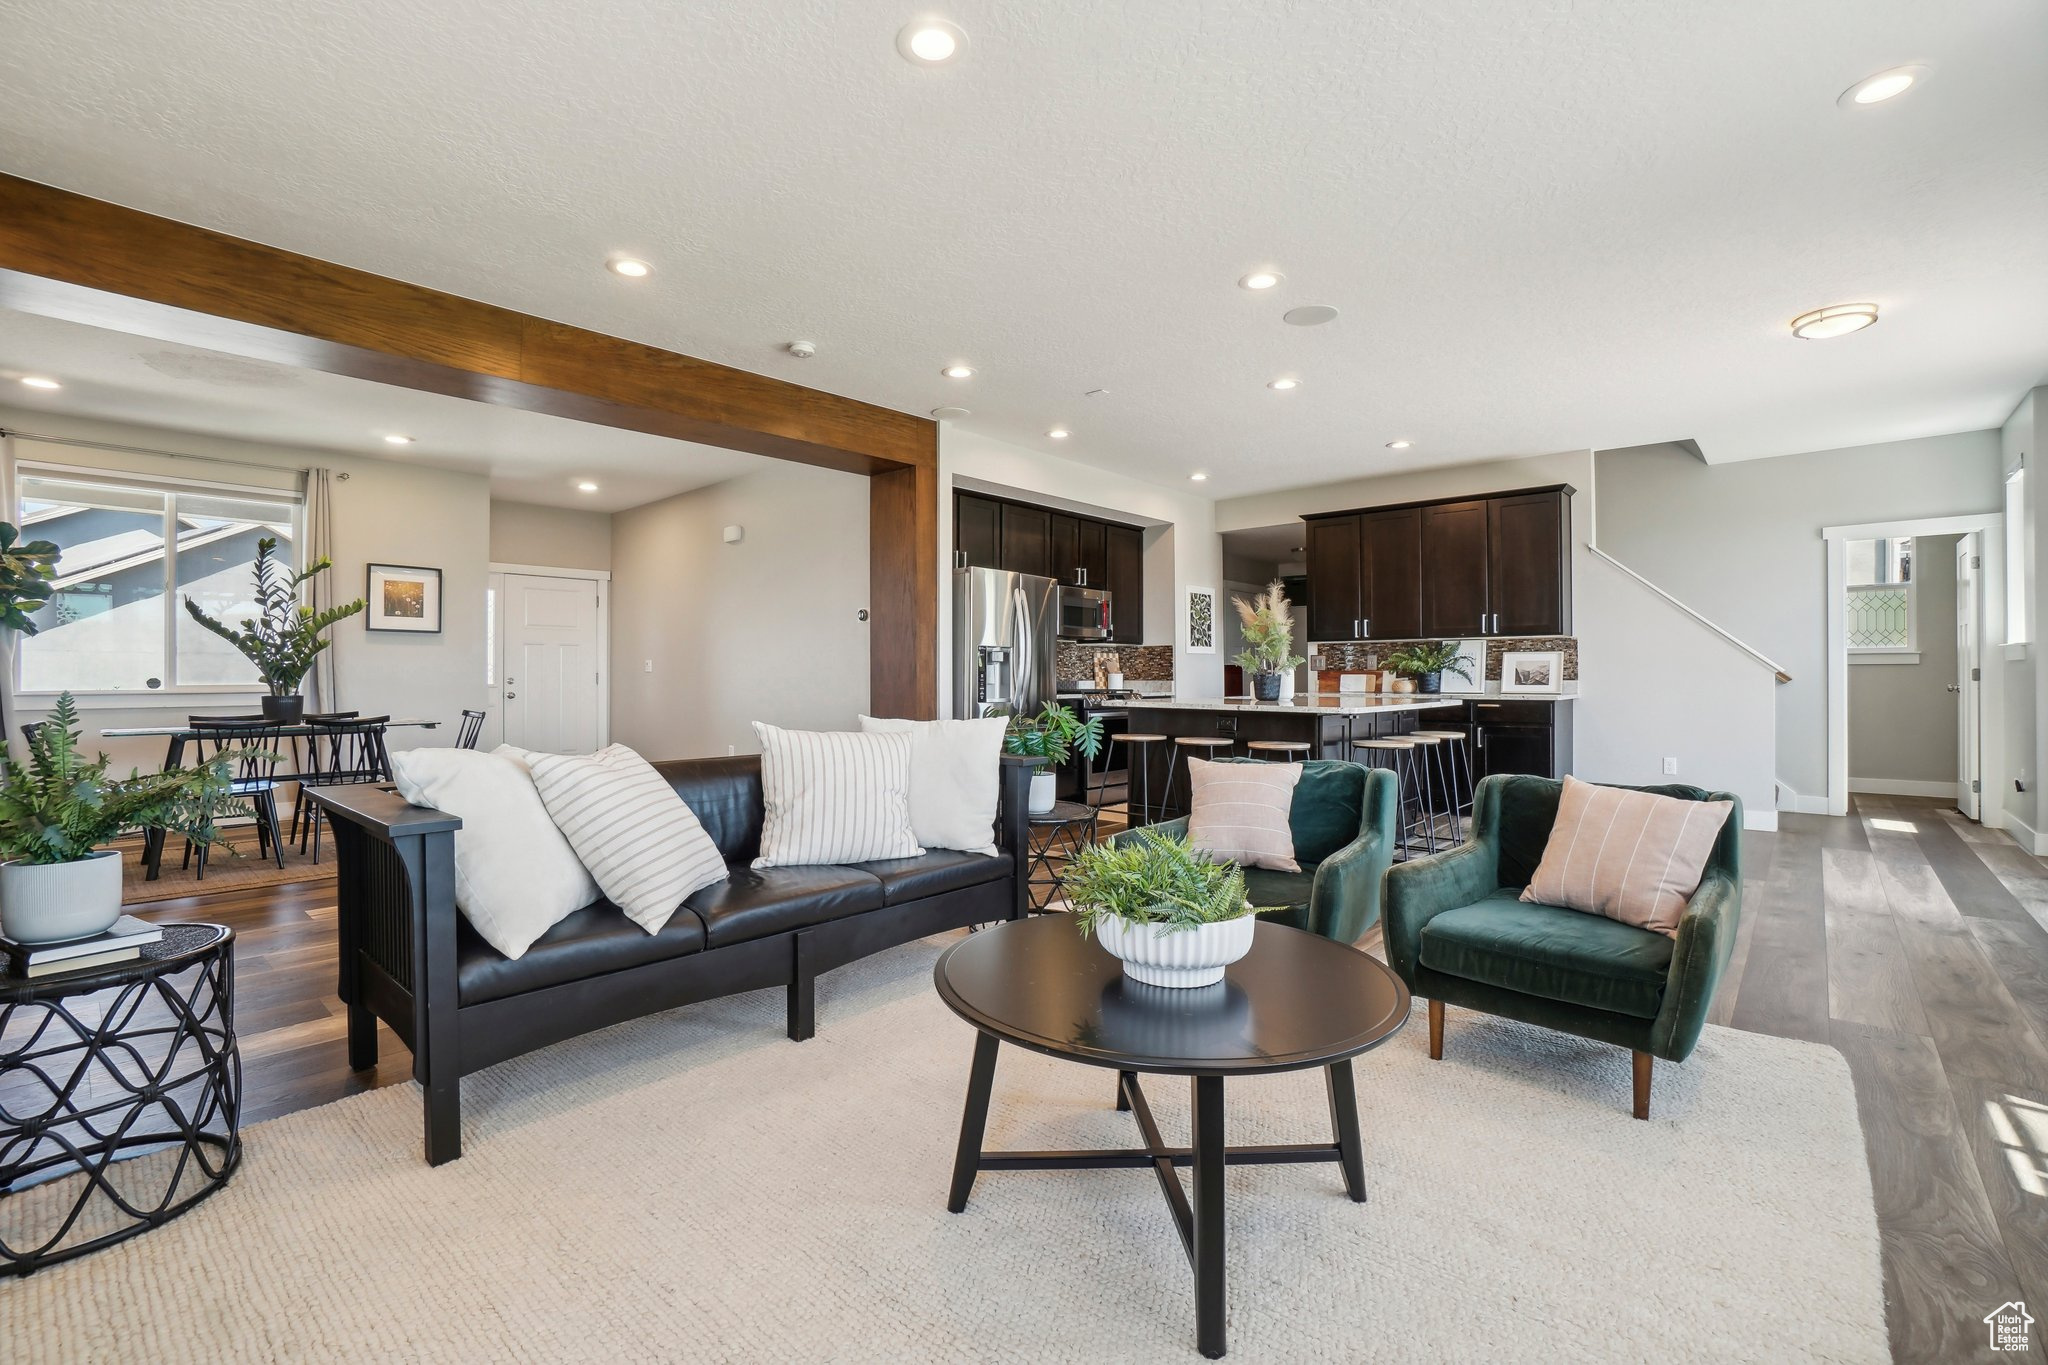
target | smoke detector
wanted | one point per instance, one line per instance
(802, 350)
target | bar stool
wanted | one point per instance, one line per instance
(1434, 768)
(1289, 750)
(1189, 744)
(1397, 755)
(1458, 762)
(1138, 765)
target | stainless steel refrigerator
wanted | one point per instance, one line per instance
(1004, 626)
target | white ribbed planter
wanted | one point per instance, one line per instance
(1183, 957)
(53, 902)
(1045, 790)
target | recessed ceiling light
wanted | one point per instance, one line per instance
(1096, 393)
(36, 381)
(1284, 384)
(1059, 433)
(632, 267)
(1198, 477)
(1836, 320)
(1309, 315)
(930, 42)
(1261, 279)
(1399, 445)
(586, 486)
(950, 414)
(397, 440)
(1883, 86)
(958, 372)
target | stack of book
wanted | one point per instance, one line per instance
(125, 940)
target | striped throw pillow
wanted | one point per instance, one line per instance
(1239, 813)
(641, 843)
(1632, 856)
(834, 797)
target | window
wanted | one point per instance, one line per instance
(1880, 611)
(2016, 555)
(131, 551)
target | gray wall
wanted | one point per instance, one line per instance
(553, 537)
(1902, 717)
(1741, 544)
(767, 629)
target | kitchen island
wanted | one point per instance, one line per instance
(1325, 721)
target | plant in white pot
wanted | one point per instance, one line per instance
(57, 812)
(285, 636)
(1155, 905)
(1267, 623)
(1054, 735)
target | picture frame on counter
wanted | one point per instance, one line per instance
(1472, 653)
(403, 598)
(1200, 621)
(1532, 670)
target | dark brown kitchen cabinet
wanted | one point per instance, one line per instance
(1124, 576)
(1336, 585)
(1080, 551)
(1455, 587)
(1390, 605)
(1530, 737)
(977, 531)
(1026, 540)
(1529, 564)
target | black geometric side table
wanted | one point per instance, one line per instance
(120, 1096)
(1058, 834)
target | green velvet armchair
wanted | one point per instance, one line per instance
(1457, 932)
(1343, 826)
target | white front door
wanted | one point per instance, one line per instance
(552, 674)
(1969, 562)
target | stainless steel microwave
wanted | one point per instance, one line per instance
(1084, 614)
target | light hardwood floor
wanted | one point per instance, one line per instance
(1905, 936)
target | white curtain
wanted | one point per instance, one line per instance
(321, 693)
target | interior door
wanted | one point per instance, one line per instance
(552, 674)
(1969, 566)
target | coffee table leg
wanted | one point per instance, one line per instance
(967, 1160)
(1344, 1118)
(1208, 1212)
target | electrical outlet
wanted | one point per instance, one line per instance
(647, 666)
(731, 750)
(1670, 767)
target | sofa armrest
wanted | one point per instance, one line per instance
(1423, 888)
(1177, 829)
(1013, 826)
(1706, 938)
(1350, 884)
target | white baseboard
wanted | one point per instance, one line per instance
(1900, 786)
(2029, 838)
(1766, 820)
(1801, 805)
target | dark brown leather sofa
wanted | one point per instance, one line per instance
(409, 958)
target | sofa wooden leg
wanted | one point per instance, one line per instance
(443, 1105)
(1644, 1061)
(1436, 1030)
(803, 993)
(362, 1038)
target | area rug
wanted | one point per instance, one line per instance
(696, 1187)
(237, 871)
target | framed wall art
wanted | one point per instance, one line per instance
(1201, 621)
(403, 598)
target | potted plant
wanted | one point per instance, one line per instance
(1156, 906)
(56, 810)
(285, 636)
(1427, 661)
(1268, 627)
(1054, 735)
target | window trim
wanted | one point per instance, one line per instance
(92, 699)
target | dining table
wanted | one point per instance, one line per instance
(178, 735)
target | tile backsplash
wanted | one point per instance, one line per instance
(1350, 658)
(1139, 663)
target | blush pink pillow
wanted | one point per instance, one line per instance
(1238, 813)
(1631, 856)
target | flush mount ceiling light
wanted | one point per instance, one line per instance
(586, 486)
(36, 381)
(1883, 86)
(1309, 315)
(1284, 384)
(397, 440)
(1399, 445)
(930, 42)
(632, 267)
(1836, 320)
(958, 372)
(950, 414)
(1096, 393)
(1198, 477)
(1261, 279)
(1059, 433)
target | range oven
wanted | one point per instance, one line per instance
(1084, 614)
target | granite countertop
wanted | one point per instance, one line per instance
(1319, 703)
(1465, 696)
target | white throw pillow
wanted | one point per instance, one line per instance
(834, 797)
(515, 875)
(644, 846)
(956, 781)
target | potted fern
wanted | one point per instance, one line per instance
(1156, 906)
(285, 636)
(1427, 661)
(56, 812)
(1054, 735)
(1267, 622)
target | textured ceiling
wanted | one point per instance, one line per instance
(530, 457)
(1547, 225)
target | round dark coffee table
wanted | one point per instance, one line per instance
(1296, 1000)
(110, 1063)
